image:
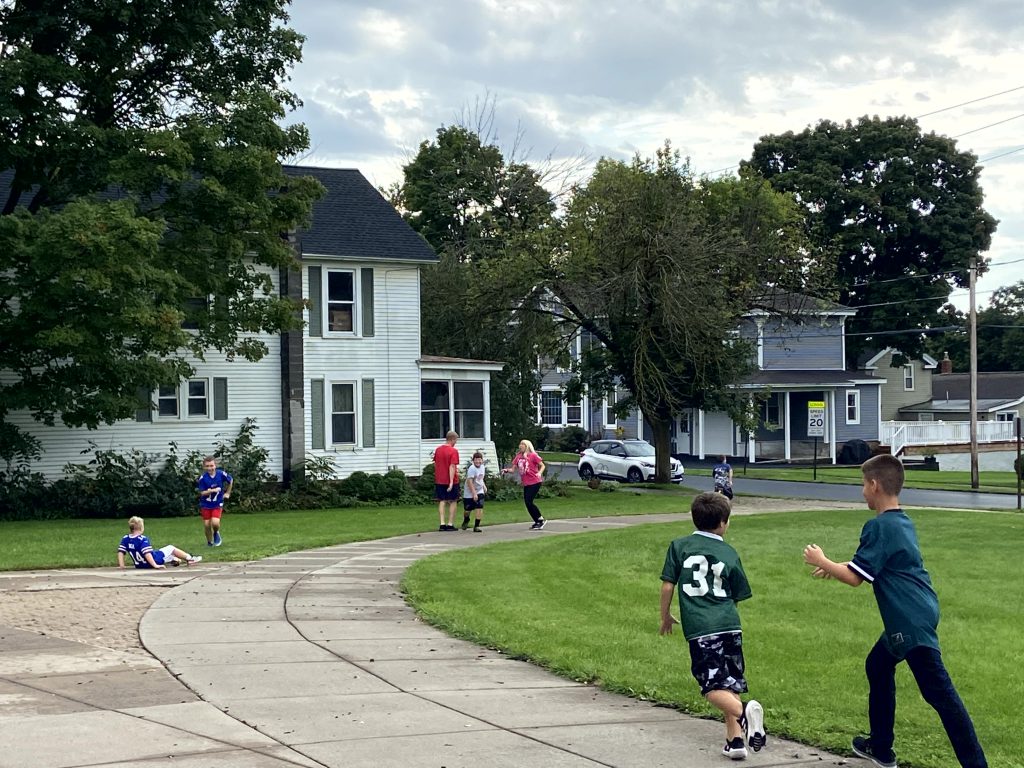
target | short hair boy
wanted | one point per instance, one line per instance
(475, 492)
(214, 487)
(890, 558)
(143, 555)
(711, 581)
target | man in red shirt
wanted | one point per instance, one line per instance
(446, 480)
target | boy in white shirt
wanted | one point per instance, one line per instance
(474, 491)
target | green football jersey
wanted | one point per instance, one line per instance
(710, 580)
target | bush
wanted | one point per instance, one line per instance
(569, 440)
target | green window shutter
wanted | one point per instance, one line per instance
(366, 276)
(145, 409)
(369, 415)
(316, 311)
(316, 410)
(220, 398)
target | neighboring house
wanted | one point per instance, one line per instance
(351, 386)
(801, 351)
(904, 384)
(1000, 397)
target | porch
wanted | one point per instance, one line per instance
(901, 435)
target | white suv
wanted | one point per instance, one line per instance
(630, 460)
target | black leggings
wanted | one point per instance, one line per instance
(529, 494)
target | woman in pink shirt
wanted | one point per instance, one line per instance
(531, 471)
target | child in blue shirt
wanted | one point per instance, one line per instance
(214, 486)
(143, 555)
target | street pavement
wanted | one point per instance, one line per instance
(314, 659)
(910, 497)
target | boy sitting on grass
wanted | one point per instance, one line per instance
(711, 581)
(890, 558)
(136, 545)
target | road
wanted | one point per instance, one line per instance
(911, 497)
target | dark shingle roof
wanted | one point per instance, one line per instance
(1003, 385)
(353, 220)
(806, 378)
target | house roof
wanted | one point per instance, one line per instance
(868, 360)
(353, 220)
(440, 361)
(786, 303)
(962, 405)
(808, 378)
(1006, 385)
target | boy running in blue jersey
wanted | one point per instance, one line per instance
(142, 554)
(721, 473)
(711, 581)
(214, 486)
(889, 557)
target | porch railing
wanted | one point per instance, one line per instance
(899, 434)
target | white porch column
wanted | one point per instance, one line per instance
(487, 409)
(786, 427)
(832, 425)
(700, 433)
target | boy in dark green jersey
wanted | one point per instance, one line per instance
(889, 557)
(711, 581)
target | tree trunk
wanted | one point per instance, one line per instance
(662, 447)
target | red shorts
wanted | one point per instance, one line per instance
(209, 514)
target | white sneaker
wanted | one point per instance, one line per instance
(194, 559)
(753, 725)
(735, 750)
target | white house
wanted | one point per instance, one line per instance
(351, 386)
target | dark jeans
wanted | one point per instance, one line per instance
(529, 494)
(936, 688)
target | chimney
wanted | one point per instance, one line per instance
(945, 365)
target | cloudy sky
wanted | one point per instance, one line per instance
(611, 78)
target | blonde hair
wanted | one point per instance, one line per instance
(135, 524)
(529, 446)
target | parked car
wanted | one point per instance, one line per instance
(630, 460)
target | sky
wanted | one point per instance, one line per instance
(589, 79)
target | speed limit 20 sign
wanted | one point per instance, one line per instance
(816, 418)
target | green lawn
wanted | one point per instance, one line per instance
(991, 482)
(85, 543)
(586, 606)
(563, 456)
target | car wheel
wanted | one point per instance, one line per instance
(586, 472)
(634, 475)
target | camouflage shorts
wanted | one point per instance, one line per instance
(716, 662)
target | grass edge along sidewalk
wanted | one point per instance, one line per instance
(41, 544)
(586, 607)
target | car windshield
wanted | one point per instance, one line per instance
(638, 449)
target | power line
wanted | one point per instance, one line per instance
(990, 125)
(1004, 154)
(972, 101)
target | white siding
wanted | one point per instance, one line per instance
(389, 358)
(254, 390)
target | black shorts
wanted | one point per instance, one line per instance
(725, 490)
(716, 662)
(469, 505)
(441, 492)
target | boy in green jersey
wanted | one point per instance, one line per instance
(889, 557)
(711, 581)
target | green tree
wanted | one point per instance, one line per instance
(658, 267)
(141, 186)
(473, 206)
(899, 211)
(1000, 333)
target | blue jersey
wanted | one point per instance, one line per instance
(219, 480)
(136, 546)
(720, 473)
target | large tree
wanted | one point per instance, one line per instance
(900, 212)
(474, 206)
(658, 267)
(141, 190)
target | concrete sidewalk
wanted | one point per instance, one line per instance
(314, 659)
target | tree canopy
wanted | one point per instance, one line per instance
(899, 211)
(141, 189)
(1000, 333)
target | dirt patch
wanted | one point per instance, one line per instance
(106, 617)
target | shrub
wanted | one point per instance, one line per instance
(570, 440)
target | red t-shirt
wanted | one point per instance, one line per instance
(444, 457)
(529, 468)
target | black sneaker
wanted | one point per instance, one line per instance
(540, 524)
(465, 523)
(735, 749)
(862, 748)
(753, 725)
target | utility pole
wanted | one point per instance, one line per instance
(974, 376)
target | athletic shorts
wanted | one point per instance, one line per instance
(209, 514)
(469, 505)
(716, 662)
(164, 555)
(441, 492)
(725, 490)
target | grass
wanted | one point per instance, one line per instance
(88, 543)
(586, 606)
(563, 456)
(991, 482)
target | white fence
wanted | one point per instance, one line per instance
(899, 434)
